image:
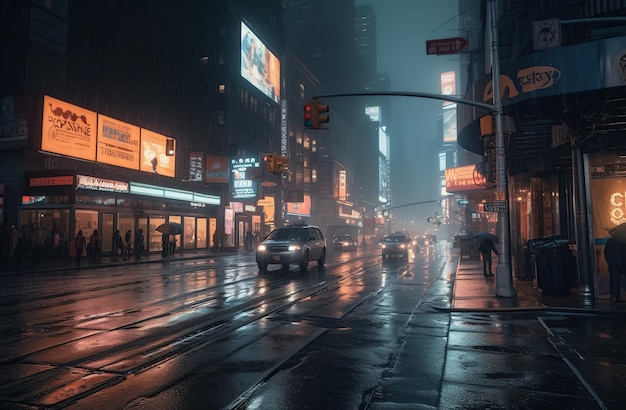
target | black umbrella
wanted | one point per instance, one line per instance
(619, 232)
(171, 228)
(481, 236)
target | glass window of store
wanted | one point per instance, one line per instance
(87, 221)
(106, 232)
(126, 223)
(53, 224)
(142, 223)
(201, 233)
(189, 235)
(156, 243)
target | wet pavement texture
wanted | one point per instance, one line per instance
(446, 343)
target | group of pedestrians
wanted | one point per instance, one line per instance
(93, 247)
(27, 247)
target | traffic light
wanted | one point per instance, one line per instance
(270, 160)
(308, 115)
(282, 164)
(312, 114)
(321, 119)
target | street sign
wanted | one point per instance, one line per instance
(446, 45)
(498, 206)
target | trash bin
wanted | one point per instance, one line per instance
(555, 264)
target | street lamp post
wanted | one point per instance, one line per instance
(504, 276)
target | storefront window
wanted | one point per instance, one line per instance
(106, 232)
(201, 233)
(189, 236)
(126, 223)
(155, 236)
(87, 221)
(142, 223)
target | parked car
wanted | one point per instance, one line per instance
(287, 245)
(344, 243)
(396, 244)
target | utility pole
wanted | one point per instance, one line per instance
(504, 274)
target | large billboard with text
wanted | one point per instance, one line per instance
(68, 129)
(118, 143)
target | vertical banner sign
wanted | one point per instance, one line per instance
(68, 129)
(283, 127)
(195, 165)
(153, 157)
(118, 143)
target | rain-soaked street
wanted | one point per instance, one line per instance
(214, 333)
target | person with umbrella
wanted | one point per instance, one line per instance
(485, 247)
(615, 255)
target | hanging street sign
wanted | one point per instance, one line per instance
(497, 206)
(446, 45)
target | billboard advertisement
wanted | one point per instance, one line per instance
(300, 208)
(68, 129)
(243, 187)
(118, 143)
(258, 65)
(153, 154)
(216, 171)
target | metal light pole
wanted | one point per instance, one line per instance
(504, 274)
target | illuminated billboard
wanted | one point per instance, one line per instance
(258, 65)
(243, 187)
(118, 143)
(153, 154)
(216, 171)
(68, 129)
(300, 208)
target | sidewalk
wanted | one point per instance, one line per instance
(475, 292)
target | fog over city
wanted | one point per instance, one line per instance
(403, 27)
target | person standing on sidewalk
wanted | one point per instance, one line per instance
(94, 247)
(485, 247)
(127, 236)
(79, 246)
(615, 255)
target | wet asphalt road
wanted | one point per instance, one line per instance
(360, 334)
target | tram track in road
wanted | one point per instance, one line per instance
(191, 325)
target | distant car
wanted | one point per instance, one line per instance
(287, 245)
(344, 243)
(395, 245)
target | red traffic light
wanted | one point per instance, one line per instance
(308, 116)
(312, 117)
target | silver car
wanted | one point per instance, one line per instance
(292, 245)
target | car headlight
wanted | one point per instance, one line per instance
(384, 246)
(261, 248)
(402, 246)
(294, 247)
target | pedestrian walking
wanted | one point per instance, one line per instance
(165, 242)
(117, 243)
(94, 247)
(173, 245)
(15, 247)
(127, 237)
(485, 247)
(79, 246)
(615, 255)
(139, 244)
